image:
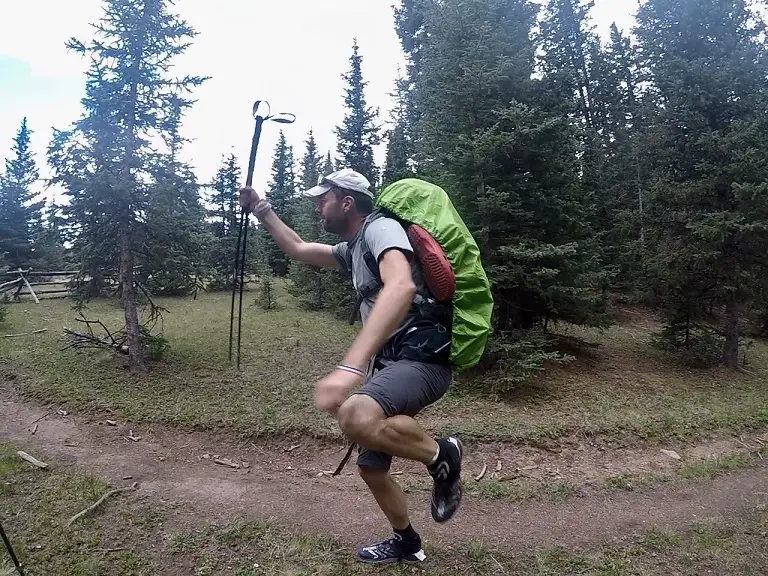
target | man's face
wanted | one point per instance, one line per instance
(330, 209)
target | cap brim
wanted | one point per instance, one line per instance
(318, 190)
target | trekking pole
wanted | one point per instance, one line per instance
(11, 552)
(242, 234)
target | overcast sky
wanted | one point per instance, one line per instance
(291, 53)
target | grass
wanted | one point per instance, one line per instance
(624, 390)
(36, 504)
(693, 471)
(521, 489)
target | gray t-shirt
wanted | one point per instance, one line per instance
(381, 234)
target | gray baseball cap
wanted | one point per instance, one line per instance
(346, 178)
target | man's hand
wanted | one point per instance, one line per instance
(248, 198)
(334, 389)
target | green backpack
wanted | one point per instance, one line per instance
(414, 201)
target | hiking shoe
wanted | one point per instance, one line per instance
(393, 550)
(446, 473)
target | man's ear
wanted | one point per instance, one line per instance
(347, 203)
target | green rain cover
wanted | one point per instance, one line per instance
(429, 206)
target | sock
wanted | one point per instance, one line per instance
(437, 454)
(445, 453)
(408, 534)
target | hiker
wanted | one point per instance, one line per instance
(409, 352)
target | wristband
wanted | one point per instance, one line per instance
(351, 369)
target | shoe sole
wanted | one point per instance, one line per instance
(462, 453)
(396, 560)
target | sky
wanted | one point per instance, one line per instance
(290, 53)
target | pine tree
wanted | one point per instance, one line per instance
(223, 222)
(305, 280)
(708, 207)
(328, 166)
(358, 133)
(50, 253)
(475, 58)
(103, 160)
(20, 216)
(172, 254)
(511, 167)
(281, 195)
(399, 143)
(265, 281)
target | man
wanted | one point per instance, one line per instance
(410, 348)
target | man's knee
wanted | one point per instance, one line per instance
(359, 417)
(375, 478)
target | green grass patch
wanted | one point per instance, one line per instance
(624, 389)
(258, 548)
(36, 505)
(691, 471)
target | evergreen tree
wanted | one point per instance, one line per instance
(511, 167)
(572, 61)
(358, 133)
(223, 221)
(265, 298)
(410, 26)
(328, 166)
(50, 253)
(306, 281)
(281, 195)
(20, 216)
(103, 160)
(708, 206)
(172, 254)
(399, 144)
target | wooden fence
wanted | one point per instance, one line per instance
(35, 284)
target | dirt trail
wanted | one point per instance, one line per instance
(284, 485)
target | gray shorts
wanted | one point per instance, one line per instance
(404, 387)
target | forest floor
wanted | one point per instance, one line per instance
(620, 463)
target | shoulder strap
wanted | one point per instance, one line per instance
(374, 285)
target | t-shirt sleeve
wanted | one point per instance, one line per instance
(340, 251)
(385, 233)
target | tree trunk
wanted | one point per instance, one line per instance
(731, 349)
(133, 338)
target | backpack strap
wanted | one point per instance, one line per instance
(375, 284)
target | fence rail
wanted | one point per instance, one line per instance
(24, 284)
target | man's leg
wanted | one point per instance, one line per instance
(380, 418)
(405, 543)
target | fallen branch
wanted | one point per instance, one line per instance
(41, 417)
(482, 473)
(99, 502)
(109, 549)
(25, 333)
(31, 459)
(132, 437)
(82, 340)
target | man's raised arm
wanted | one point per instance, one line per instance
(289, 242)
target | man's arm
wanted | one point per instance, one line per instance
(293, 246)
(289, 242)
(389, 309)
